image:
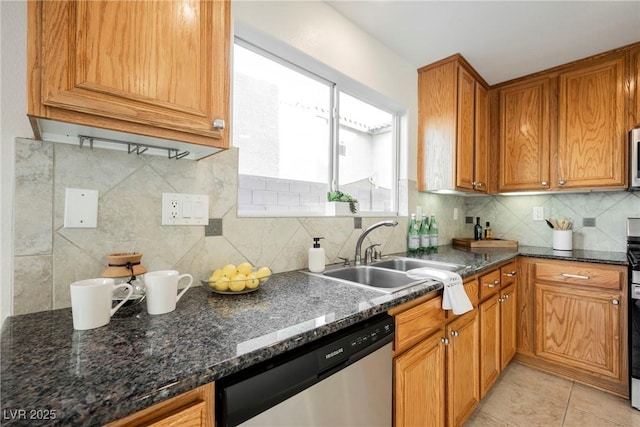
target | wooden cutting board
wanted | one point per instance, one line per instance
(490, 243)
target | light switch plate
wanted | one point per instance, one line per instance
(80, 208)
(538, 213)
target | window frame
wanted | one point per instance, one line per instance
(313, 69)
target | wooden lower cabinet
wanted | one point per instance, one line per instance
(572, 321)
(420, 384)
(579, 329)
(191, 409)
(463, 392)
(490, 366)
(508, 325)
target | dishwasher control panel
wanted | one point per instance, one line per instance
(341, 350)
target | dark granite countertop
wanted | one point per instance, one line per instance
(96, 376)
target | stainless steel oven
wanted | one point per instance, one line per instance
(633, 253)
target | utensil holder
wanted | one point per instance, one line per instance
(563, 240)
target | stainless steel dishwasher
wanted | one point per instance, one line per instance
(344, 379)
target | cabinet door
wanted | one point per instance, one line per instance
(508, 325)
(592, 131)
(462, 368)
(157, 68)
(465, 146)
(419, 397)
(524, 136)
(481, 158)
(489, 343)
(579, 328)
(191, 409)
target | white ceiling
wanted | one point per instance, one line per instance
(501, 39)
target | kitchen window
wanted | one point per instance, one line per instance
(300, 135)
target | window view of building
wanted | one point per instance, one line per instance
(293, 149)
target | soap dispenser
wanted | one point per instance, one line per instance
(316, 256)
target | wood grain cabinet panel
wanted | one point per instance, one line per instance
(194, 408)
(154, 68)
(463, 389)
(580, 329)
(592, 126)
(572, 321)
(417, 323)
(453, 127)
(419, 395)
(524, 135)
(489, 284)
(508, 324)
(490, 366)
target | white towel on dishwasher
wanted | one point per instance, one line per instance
(454, 296)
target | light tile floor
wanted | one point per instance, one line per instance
(526, 397)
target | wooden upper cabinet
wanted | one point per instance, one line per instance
(524, 136)
(592, 126)
(482, 155)
(634, 110)
(154, 68)
(453, 127)
(566, 128)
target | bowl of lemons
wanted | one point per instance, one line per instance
(240, 279)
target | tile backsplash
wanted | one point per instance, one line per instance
(48, 257)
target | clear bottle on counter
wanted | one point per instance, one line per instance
(424, 234)
(488, 234)
(433, 233)
(413, 237)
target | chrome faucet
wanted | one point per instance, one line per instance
(364, 234)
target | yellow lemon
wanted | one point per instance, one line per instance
(252, 281)
(238, 283)
(229, 271)
(262, 273)
(222, 284)
(245, 268)
(215, 275)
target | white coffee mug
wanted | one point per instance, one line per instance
(162, 288)
(91, 301)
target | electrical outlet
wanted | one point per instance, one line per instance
(185, 209)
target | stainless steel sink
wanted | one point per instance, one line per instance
(372, 277)
(406, 264)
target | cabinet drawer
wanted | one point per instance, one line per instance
(489, 284)
(581, 274)
(417, 323)
(508, 274)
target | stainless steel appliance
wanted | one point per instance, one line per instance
(633, 253)
(344, 379)
(634, 158)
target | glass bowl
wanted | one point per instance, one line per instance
(235, 286)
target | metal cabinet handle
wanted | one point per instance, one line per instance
(500, 299)
(615, 302)
(494, 284)
(511, 273)
(218, 124)
(455, 333)
(575, 276)
(544, 183)
(445, 341)
(561, 182)
(479, 184)
(505, 296)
